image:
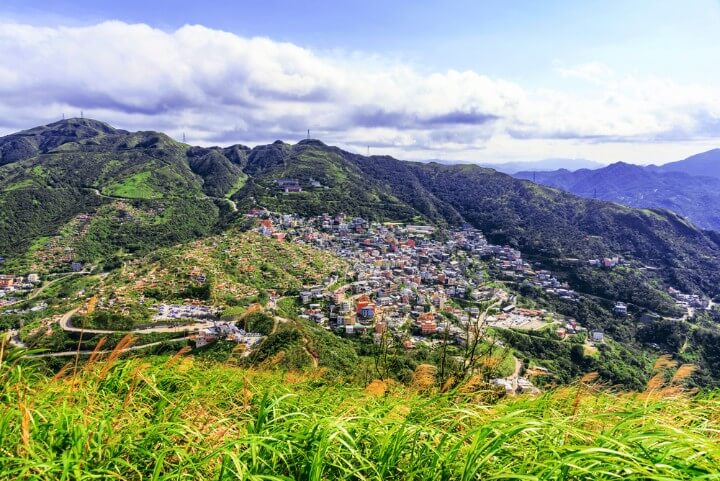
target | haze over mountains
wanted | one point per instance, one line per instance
(690, 187)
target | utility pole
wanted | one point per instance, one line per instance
(81, 115)
(63, 115)
(308, 134)
(183, 137)
(368, 151)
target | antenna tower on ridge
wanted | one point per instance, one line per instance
(308, 134)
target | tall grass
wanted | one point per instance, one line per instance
(180, 419)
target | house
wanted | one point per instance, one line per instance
(6, 281)
(76, 266)
(283, 183)
(257, 212)
(428, 327)
(598, 336)
(620, 309)
(367, 311)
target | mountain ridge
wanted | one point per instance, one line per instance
(155, 173)
(693, 196)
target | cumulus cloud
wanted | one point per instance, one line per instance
(219, 87)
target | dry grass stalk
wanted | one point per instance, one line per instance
(123, 345)
(448, 384)
(664, 362)
(376, 388)
(63, 370)
(424, 377)
(96, 354)
(656, 382)
(177, 357)
(683, 372)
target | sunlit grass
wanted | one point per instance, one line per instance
(179, 418)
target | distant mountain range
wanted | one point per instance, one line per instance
(690, 187)
(529, 165)
(703, 164)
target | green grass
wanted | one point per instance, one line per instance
(22, 184)
(187, 419)
(137, 186)
(239, 184)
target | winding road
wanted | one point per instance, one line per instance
(65, 325)
(233, 205)
(106, 351)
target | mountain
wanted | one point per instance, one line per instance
(704, 164)
(695, 197)
(108, 193)
(527, 165)
(543, 165)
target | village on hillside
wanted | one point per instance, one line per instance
(413, 285)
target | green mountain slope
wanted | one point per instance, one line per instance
(155, 191)
(341, 186)
(693, 196)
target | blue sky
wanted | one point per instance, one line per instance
(635, 81)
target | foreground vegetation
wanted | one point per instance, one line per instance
(178, 417)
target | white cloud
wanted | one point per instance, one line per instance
(221, 88)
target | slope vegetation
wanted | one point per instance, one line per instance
(182, 418)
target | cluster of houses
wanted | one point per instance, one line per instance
(520, 385)
(407, 282)
(606, 262)
(693, 301)
(183, 311)
(12, 286)
(227, 331)
(293, 185)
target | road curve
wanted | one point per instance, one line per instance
(65, 325)
(107, 351)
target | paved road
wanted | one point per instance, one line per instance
(37, 292)
(87, 353)
(233, 205)
(65, 325)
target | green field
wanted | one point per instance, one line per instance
(137, 186)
